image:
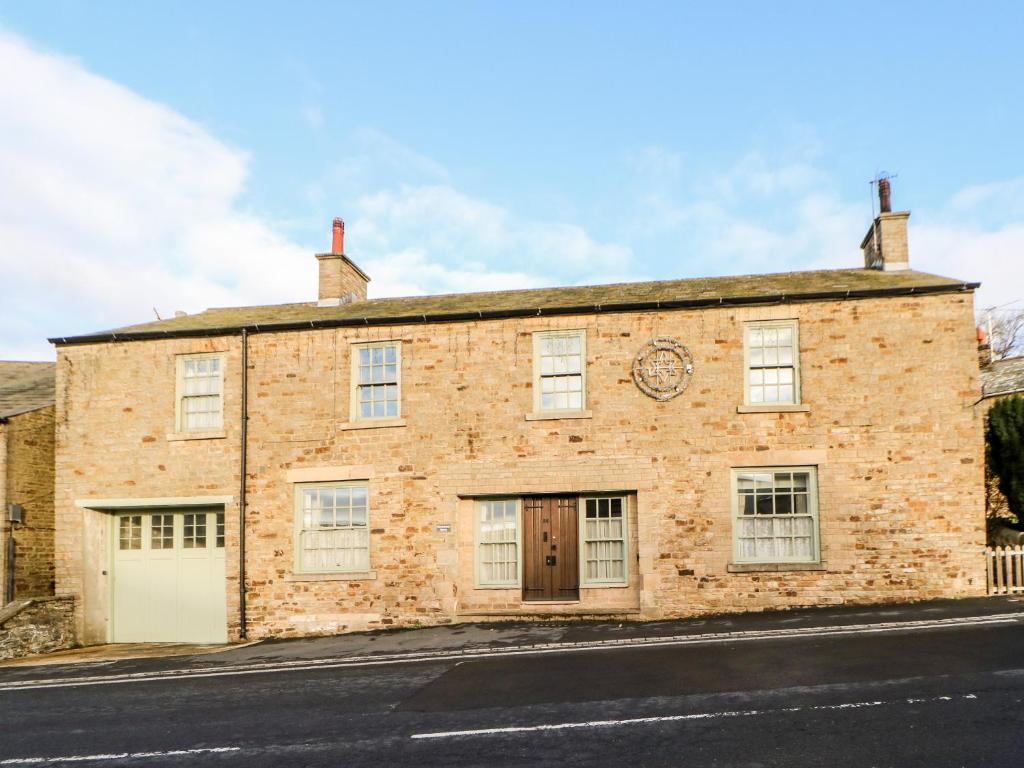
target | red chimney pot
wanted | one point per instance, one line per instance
(884, 195)
(338, 239)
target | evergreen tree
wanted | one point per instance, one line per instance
(1004, 446)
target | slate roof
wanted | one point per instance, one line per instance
(1003, 377)
(667, 294)
(25, 387)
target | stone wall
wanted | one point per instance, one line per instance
(37, 625)
(28, 481)
(888, 384)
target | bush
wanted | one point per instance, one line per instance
(1004, 450)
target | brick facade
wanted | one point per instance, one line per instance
(27, 478)
(888, 382)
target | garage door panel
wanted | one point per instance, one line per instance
(132, 599)
(168, 578)
(200, 617)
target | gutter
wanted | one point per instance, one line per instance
(497, 314)
(989, 395)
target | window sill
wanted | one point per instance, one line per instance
(551, 415)
(340, 576)
(774, 408)
(604, 585)
(209, 435)
(371, 424)
(773, 567)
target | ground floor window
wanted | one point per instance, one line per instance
(332, 527)
(603, 536)
(497, 537)
(775, 515)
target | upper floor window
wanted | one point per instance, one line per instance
(200, 401)
(772, 363)
(376, 377)
(559, 370)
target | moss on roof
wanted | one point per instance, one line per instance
(749, 288)
(25, 387)
(1003, 377)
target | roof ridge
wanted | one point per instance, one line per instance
(582, 286)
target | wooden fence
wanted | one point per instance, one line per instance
(1005, 569)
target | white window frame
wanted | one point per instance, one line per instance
(478, 580)
(179, 391)
(538, 336)
(582, 546)
(812, 509)
(299, 528)
(770, 324)
(354, 409)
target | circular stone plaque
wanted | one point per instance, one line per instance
(662, 369)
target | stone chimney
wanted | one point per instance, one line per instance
(885, 244)
(984, 347)
(341, 281)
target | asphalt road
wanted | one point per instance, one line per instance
(937, 697)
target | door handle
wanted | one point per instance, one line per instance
(545, 536)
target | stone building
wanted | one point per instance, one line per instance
(1000, 379)
(639, 450)
(26, 480)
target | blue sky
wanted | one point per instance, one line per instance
(184, 155)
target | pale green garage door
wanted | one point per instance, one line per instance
(168, 577)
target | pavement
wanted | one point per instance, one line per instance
(930, 684)
(118, 652)
(485, 639)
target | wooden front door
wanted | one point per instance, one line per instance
(551, 569)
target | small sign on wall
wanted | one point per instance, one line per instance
(444, 527)
(15, 513)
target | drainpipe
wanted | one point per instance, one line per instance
(7, 595)
(241, 490)
(9, 576)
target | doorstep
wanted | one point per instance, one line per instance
(550, 610)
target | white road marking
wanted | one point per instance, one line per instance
(710, 638)
(115, 756)
(675, 718)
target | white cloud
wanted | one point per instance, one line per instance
(111, 205)
(760, 215)
(769, 214)
(993, 258)
(979, 236)
(493, 247)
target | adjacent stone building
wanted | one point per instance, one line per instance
(1000, 379)
(639, 450)
(26, 480)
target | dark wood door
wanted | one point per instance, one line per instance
(551, 569)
